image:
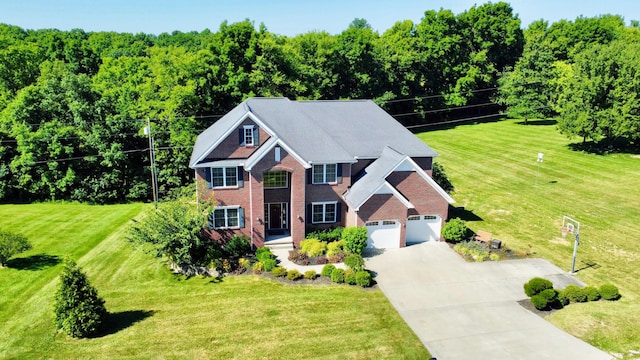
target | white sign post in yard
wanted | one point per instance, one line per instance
(540, 156)
(572, 226)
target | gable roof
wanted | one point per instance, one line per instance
(375, 175)
(331, 131)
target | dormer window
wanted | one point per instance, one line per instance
(249, 135)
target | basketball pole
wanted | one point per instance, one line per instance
(574, 226)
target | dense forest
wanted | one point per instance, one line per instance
(74, 104)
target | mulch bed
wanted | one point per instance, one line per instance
(526, 303)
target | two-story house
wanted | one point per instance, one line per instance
(277, 166)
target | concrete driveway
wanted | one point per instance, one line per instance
(466, 310)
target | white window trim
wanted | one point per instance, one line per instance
(249, 128)
(224, 178)
(324, 174)
(324, 212)
(286, 179)
(226, 217)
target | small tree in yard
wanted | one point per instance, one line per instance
(440, 177)
(455, 230)
(78, 310)
(11, 244)
(355, 239)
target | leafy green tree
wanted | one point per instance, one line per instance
(440, 177)
(455, 230)
(78, 309)
(355, 239)
(12, 244)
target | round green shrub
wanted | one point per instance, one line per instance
(279, 271)
(574, 293)
(536, 285)
(592, 293)
(354, 261)
(327, 270)
(455, 230)
(264, 253)
(540, 302)
(355, 239)
(310, 274)
(293, 274)
(313, 247)
(337, 276)
(335, 247)
(609, 292)
(562, 299)
(12, 244)
(269, 264)
(494, 257)
(350, 277)
(549, 294)
(363, 278)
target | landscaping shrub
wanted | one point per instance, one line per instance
(264, 253)
(550, 294)
(335, 248)
(562, 299)
(279, 271)
(350, 277)
(329, 235)
(354, 261)
(244, 263)
(321, 260)
(494, 257)
(337, 258)
(238, 246)
(337, 276)
(293, 274)
(455, 230)
(363, 278)
(540, 302)
(609, 292)
(574, 293)
(78, 310)
(537, 285)
(258, 267)
(313, 247)
(297, 256)
(269, 264)
(327, 270)
(592, 293)
(481, 256)
(355, 239)
(12, 244)
(310, 274)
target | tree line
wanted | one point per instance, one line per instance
(74, 104)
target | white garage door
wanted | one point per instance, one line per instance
(383, 234)
(421, 228)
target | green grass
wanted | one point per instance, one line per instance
(494, 169)
(155, 314)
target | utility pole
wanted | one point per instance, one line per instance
(152, 160)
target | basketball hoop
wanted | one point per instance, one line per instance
(568, 229)
(572, 226)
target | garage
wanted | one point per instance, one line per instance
(421, 228)
(383, 234)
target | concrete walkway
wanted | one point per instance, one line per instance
(466, 310)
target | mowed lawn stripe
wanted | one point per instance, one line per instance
(494, 169)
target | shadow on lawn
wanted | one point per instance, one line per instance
(34, 262)
(606, 147)
(118, 321)
(463, 214)
(537, 122)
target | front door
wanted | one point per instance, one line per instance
(277, 216)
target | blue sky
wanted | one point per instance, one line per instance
(284, 17)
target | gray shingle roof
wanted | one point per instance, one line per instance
(321, 131)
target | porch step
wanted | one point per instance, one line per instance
(281, 246)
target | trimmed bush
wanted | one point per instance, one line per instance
(327, 270)
(355, 239)
(350, 277)
(562, 299)
(264, 253)
(313, 247)
(336, 247)
(592, 293)
(310, 274)
(258, 267)
(293, 274)
(540, 302)
(238, 246)
(494, 257)
(609, 292)
(78, 310)
(244, 263)
(337, 258)
(537, 285)
(269, 264)
(297, 256)
(337, 276)
(363, 278)
(455, 230)
(574, 293)
(279, 271)
(354, 261)
(12, 244)
(329, 235)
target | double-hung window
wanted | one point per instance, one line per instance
(325, 173)
(227, 217)
(323, 212)
(224, 177)
(249, 138)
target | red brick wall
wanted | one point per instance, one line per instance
(329, 192)
(230, 147)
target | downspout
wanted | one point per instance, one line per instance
(251, 206)
(195, 172)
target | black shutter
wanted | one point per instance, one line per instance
(256, 136)
(309, 214)
(339, 212)
(339, 173)
(241, 217)
(309, 175)
(240, 177)
(207, 177)
(240, 136)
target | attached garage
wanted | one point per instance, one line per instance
(383, 234)
(421, 228)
